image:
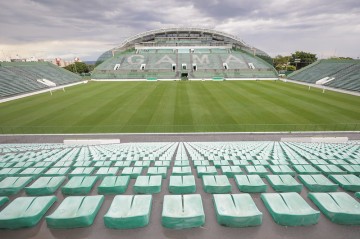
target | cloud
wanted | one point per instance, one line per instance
(90, 27)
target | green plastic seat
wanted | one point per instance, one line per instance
(107, 171)
(182, 184)
(25, 211)
(13, 185)
(328, 169)
(182, 211)
(201, 163)
(357, 194)
(206, 170)
(181, 171)
(219, 163)
(306, 169)
(264, 163)
(43, 165)
(23, 164)
(284, 183)
(353, 169)
(162, 164)
(339, 207)
(298, 162)
(122, 164)
(144, 164)
(317, 162)
(348, 182)
(64, 164)
(6, 165)
(281, 169)
(279, 162)
(128, 211)
(45, 186)
(7, 172)
(318, 183)
(32, 172)
(258, 170)
(82, 171)
(148, 184)
(290, 209)
(236, 210)
(57, 172)
(82, 164)
(3, 200)
(216, 184)
(114, 185)
(75, 211)
(162, 171)
(79, 185)
(231, 171)
(250, 183)
(133, 172)
(181, 163)
(242, 163)
(99, 164)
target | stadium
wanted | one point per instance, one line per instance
(180, 133)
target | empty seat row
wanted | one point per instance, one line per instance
(180, 211)
(149, 184)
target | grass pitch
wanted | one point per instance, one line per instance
(192, 106)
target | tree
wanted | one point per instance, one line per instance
(300, 59)
(78, 67)
(281, 63)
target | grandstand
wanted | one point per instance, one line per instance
(18, 78)
(341, 74)
(184, 52)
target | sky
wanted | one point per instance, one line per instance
(87, 28)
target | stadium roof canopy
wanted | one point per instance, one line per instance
(189, 33)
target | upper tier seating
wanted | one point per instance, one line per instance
(346, 73)
(21, 77)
